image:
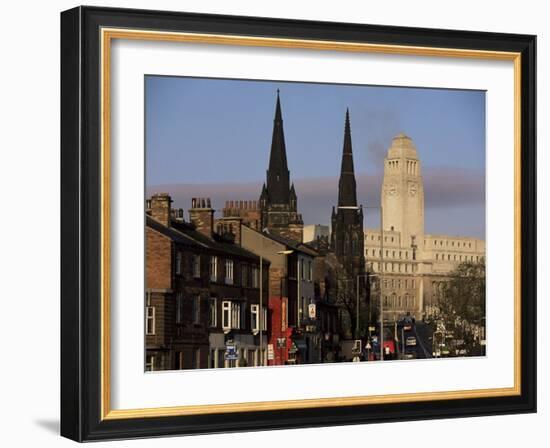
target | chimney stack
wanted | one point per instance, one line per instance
(201, 215)
(160, 205)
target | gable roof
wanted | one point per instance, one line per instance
(187, 235)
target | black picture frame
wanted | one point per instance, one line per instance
(81, 224)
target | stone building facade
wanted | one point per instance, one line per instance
(408, 264)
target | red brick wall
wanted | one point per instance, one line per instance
(158, 260)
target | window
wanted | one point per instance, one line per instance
(244, 275)
(226, 315)
(149, 320)
(178, 262)
(228, 272)
(197, 358)
(213, 305)
(309, 270)
(149, 363)
(231, 315)
(179, 308)
(235, 315)
(214, 269)
(255, 277)
(196, 310)
(254, 322)
(242, 315)
(196, 266)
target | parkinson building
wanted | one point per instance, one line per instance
(408, 265)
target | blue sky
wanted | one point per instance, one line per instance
(212, 137)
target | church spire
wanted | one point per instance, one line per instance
(278, 178)
(347, 188)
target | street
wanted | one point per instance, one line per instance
(423, 334)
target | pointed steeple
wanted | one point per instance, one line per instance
(278, 177)
(347, 188)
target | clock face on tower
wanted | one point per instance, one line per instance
(391, 190)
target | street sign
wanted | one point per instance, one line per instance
(270, 354)
(356, 346)
(312, 311)
(371, 328)
(231, 353)
(368, 346)
(281, 342)
(283, 316)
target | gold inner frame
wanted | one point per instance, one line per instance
(107, 35)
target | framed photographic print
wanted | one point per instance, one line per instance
(275, 224)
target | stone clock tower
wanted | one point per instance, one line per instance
(402, 195)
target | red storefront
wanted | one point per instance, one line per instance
(279, 332)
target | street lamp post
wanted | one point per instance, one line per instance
(381, 277)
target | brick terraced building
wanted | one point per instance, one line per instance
(202, 291)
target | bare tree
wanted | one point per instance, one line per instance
(464, 294)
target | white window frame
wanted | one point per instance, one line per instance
(149, 363)
(231, 321)
(229, 268)
(235, 315)
(150, 318)
(254, 318)
(226, 315)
